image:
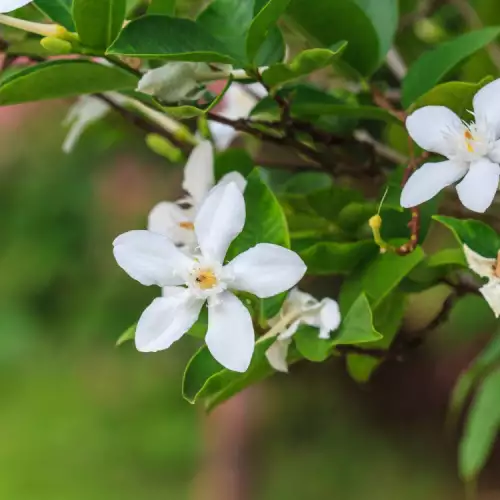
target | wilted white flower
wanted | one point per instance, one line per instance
(152, 259)
(486, 268)
(301, 308)
(176, 219)
(10, 5)
(472, 149)
(178, 81)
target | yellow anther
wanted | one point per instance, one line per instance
(206, 279)
(469, 137)
(187, 225)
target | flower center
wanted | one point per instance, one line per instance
(468, 139)
(187, 225)
(206, 279)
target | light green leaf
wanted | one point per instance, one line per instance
(304, 63)
(456, 96)
(361, 367)
(481, 428)
(337, 258)
(183, 112)
(326, 23)
(477, 235)
(433, 66)
(98, 22)
(310, 345)
(128, 334)
(262, 24)
(57, 10)
(165, 7)
(438, 265)
(63, 78)
(170, 38)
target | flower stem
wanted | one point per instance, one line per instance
(53, 30)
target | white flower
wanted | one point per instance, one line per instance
(179, 81)
(301, 308)
(486, 268)
(152, 259)
(238, 102)
(473, 152)
(10, 5)
(176, 220)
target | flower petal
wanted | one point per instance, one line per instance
(220, 219)
(430, 127)
(151, 259)
(478, 188)
(329, 318)
(487, 106)
(277, 355)
(170, 220)
(429, 179)
(10, 5)
(482, 266)
(265, 270)
(235, 177)
(491, 292)
(199, 172)
(230, 335)
(166, 320)
(290, 331)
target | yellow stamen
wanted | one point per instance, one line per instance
(469, 137)
(206, 279)
(187, 225)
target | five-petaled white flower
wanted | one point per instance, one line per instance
(472, 149)
(486, 268)
(301, 308)
(176, 219)
(10, 5)
(152, 259)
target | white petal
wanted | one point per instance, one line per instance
(166, 320)
(494, 154)
(10, 5)
(235, 177)
(265, 270)
(430, 127)
(171, 220)
(173, 291)
(491, 292)
(277, 355)
(151, 259)
(429, 179)
(220, 219)
(230, 335)
(222, 135)
(199, 172)
(297, 299)
(329, 318)
(482, 266)
(487, 106)
(479, 186)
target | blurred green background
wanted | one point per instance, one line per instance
(81, 419)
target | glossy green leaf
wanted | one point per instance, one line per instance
(337, 258)
(481, 428)
(57, 10)
(477, 235)
(98, 22)
(304, 63)
(433, 66)
(170, 38)
(261, 25)
(164, 7)
(233, 160)
(327, 23)
(456, 96)
(63, 78)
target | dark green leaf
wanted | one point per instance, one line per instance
(164, 7)
(233, 160)
(63, 78)
(57, 10)
(98, 22)
(477, 235)
(433, 66)
(170, 38)
(481, 428)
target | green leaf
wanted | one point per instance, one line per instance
(331, 201)
(233, 160)
(261, 25)
(361, 367)
(433, 66)
(481, 428)
(183, 112)
(310, 345)
(128, 334)
(63, 78)
(326, 23)
(57, 10)
(98, 22)
(477, 235)
(337, 258)
(343, 110)
(438, 265)
(456, 96)
(164, 7)
(170, 38)
(304, 63)
(308, 182)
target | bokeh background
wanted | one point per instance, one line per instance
(81, 419)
